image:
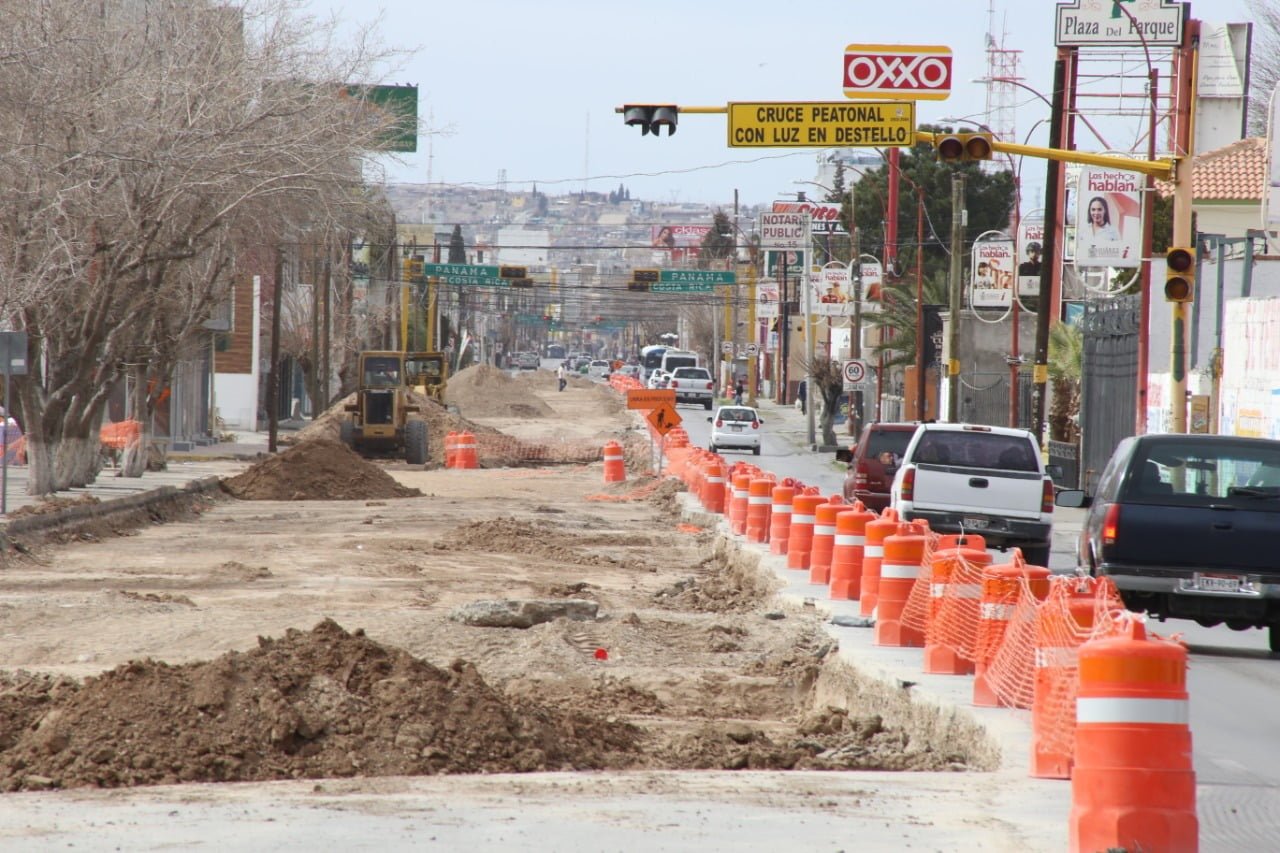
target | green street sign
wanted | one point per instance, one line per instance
(691, 281)
(466, 274)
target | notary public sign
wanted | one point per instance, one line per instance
(784, 231)
(822, 124)
(643, 398)
(1090, 23)
(906, 71)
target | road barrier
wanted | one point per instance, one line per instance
(872, 555)
(955, 591)
(846, 554)
(899, 568)
(800, 540)
(615, 468)
(780, 517)
(1002, 587)
(759, 503)
(465, 453)
(824, 539)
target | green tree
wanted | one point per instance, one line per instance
(1066, 355)
(719, 243)
(897, 317)
(457, 246)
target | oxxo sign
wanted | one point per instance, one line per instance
(907, 72)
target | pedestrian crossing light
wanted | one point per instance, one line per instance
(642, 279)
(1180, 274)
(651, 118)
(963, 147)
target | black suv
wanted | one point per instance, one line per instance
(873, 461)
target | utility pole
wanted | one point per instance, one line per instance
(1182, 233)
(855, 279)
(955, 281)
(1050, 265)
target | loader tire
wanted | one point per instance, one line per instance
(415, 442)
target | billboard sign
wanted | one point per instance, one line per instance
(1090, 23)
(1108, 218)
(991, 281)
(909, 72)
(824, 216)
(394, 108)
(784, 231)
(830, 291)
(1030, 257)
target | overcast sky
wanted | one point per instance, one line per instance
(529, 87)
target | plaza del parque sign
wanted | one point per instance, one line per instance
(1103, 23)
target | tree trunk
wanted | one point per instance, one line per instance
(133, 461)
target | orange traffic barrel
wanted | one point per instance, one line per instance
(800, 538)
(872, 553)
(846, 553)
(780, 517)
(451, 449)
(1133, 786)
(955, 589)
(738, 502)
(1062, 622)
(759, 503)
(1002, 587)
(899, 568)
(713, 488)
(615, 469)
(824, 539)
(464, 453)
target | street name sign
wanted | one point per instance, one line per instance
(466, 274)
(822, 124)
(642, 398)
(691, 281)
(906, 71)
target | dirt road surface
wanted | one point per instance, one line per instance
(340, 653)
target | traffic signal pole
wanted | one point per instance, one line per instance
(1051, 266)
(955, 287)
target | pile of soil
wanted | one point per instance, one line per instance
(483, 391)
(318, 470)
(314, 704)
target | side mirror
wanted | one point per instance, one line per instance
(1054, 471)
(1073, 499)
(845, 454)
(760, 420)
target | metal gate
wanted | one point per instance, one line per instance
(984, 399)
(1109, 382)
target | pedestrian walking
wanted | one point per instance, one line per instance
(739, 391)
(562, 375)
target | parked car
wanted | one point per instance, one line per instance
(873, 461)
(972, 478)
(528, 361)
(598, 368)
(1185, 525)
(658, 379)
(693, 385)
(737, 427)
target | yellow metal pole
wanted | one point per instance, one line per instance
(404, 317)
(753, 334)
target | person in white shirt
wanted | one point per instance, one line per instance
(562, 376)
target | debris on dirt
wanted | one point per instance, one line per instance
(308, 705)
(53, 503)
(316, 470)
(523, 614)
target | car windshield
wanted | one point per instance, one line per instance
(737, 415)
(1245, 472)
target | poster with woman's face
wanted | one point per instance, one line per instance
(1108, 218)
(991, 285)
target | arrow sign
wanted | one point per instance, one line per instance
(663, 419)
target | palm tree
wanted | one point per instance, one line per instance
(1066, 353)
(897, 315)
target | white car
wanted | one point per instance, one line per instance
(658, 379)
(737, 427)
(693, 385)
(598, 369)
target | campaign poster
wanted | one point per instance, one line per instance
(830, 294)
(1030, 257)
(991, 283)
(1108, 218)
(766, 300)
(872, 272)
(674, 244)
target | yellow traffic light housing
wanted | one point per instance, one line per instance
(963, 147)
(513, 272)
(411, 269)
(641, 279)
(651, 118)
(1180, 274)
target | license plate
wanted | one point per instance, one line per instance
(737, 427)
(974, 522)
(1217, 583)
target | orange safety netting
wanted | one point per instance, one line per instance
(120, 435)
(915, 614)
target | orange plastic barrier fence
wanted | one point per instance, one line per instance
(780, 518)
(824, 539)
(121, 434)
(1133, 786)
(955, 591)
(466, 455)
(1002, 586)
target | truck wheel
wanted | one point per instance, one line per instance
(1273, 637)
(706, 404)
(347, 433)
(756, 450)
(415, 442)
(1036, 555)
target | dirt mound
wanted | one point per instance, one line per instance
(317, 470)
(309, 705)
(483, 391)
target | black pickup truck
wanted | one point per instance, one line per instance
(1188, 526)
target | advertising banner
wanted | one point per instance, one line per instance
(1030, 257)
(830, 293)
(991, 282)
(784, 231)
(1108, 218)
(824, 216)
(795, 262)
(872, 272)
(766, 300)
(1271, 212)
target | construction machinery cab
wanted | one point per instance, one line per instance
(427, 373)
(383, 419)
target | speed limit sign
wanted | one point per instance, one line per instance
(855, 370)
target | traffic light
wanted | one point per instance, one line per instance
(513, 272)
(641, 279)
(522, 282)
(411, 269)
(1180, 274)
(963, 147)
(651, 118)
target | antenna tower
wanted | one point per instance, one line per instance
(1002, 80)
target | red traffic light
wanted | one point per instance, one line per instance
(1180, 260)
(1180, 274)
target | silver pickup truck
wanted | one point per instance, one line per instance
(967, 478)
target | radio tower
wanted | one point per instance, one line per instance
(1002, 77)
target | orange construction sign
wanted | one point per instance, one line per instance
(641, 398)
(663, 419)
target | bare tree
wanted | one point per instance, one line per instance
(138, 142)
(1264, 65)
